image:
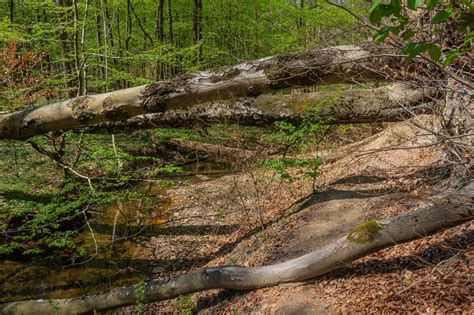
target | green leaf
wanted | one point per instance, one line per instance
(382, 10)
(408, 34)
(466, 20)
(403, 20)
(413, 49)
(397, 7)
(396, 30)
(375, 4)
(381, 35)
(375, 16)
(470, 5)
(396, 4)
(467, 39)
(450, 57)
(434, 51)
(442, 16)
(414, 4)
(431, 4)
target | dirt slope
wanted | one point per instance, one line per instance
(375, 179)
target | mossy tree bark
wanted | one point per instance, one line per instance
(394, 102)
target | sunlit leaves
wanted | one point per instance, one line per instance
(451, 56)
(391, 13)
(431, 4)
(381, 35)
(442, 16)
(412, 50)
(434, 51)
(414, 4)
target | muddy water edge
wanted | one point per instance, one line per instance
(117, 231)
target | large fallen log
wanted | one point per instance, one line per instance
(449, 210)
(394, 102)
(330, 65)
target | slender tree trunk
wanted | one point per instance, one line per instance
(11, 9)
(77, 48)
(159, 34)
(98, 24)
(105, 28)
(128, 35)
(256, 21)
(159, 20)
(83, 66)
(170, 23)
(69, 73)
(197, 24)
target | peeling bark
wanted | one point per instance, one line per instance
(449, 210)
(395, 102)
(330, 65)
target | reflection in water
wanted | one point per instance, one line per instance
(114, 264)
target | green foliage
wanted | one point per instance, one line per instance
(113, 59)
(310, 131)
(185, 305)
(43, 213)
(168, 169)
(36, 224)
(365, 232)
(281, 166)
(461, 13)
(139, 297)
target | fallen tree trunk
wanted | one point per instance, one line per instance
(330, 65)
(451, 210)
(395, 102)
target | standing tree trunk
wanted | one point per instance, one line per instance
(197, 24)
(128, 35)
(99, 41)
(170, 23)
(69, 73)
(83, 66)
(159, 34)
(77, 54)
(106, 42)
(256, 23)
(11, 8)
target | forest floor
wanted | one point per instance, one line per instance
(254, 218)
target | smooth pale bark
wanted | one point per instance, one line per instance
(330, 65)
(450, 210)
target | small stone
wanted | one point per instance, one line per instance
(158, 269)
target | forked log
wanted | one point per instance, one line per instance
(325, 66)
(451, 210)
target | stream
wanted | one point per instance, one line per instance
(117, 232)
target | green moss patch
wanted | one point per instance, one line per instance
(365, 232)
